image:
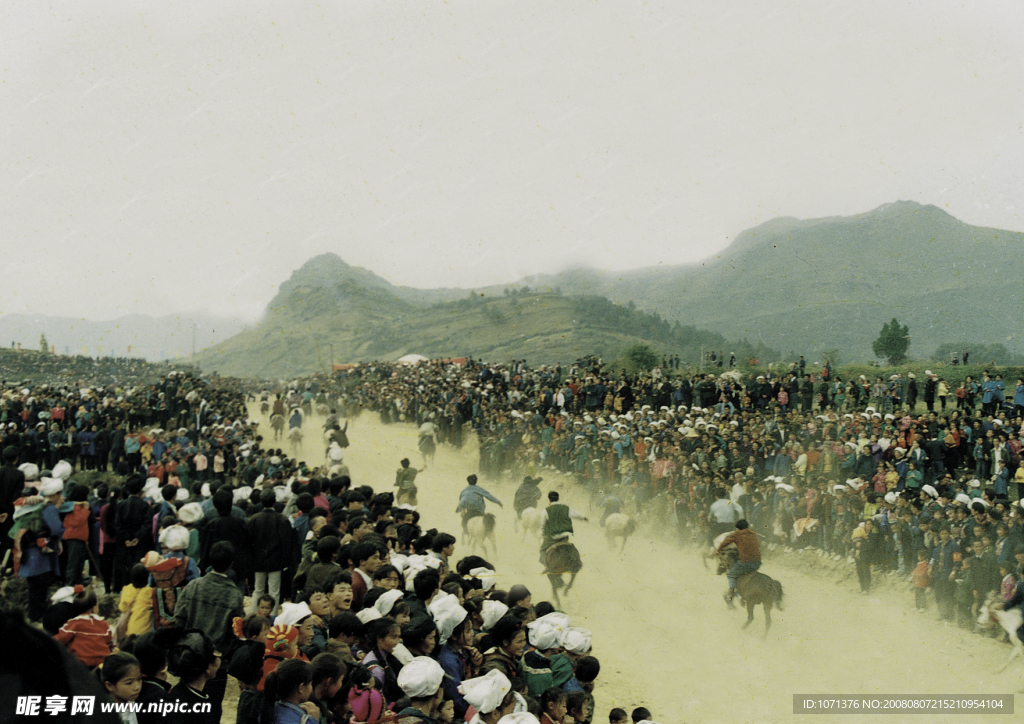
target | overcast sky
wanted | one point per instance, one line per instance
(170, 157)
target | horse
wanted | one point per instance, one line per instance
(616, 525)
(562, 557)
(753, 588)
(480, 529)
(323, 409)
(533, 520)
(277, 423)
(295, 435)
(264, 407)
(1010, 621)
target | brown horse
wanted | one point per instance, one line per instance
(562, 557)
(752, 588)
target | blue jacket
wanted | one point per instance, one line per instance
(472, 498)
(34, 561)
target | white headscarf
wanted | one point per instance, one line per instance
(492, 611)
(485, 693)
(421, 677)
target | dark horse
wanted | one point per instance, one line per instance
(753, 588)
(562, 557)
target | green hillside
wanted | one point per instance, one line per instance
(314, 317)
(809, 286)
(796, 286)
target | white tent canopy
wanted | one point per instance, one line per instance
(412, 359)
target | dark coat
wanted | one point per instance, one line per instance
(134, 521)
(234, 531)
(273, 541)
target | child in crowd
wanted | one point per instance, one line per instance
(87, 636)
(122, 678)
(641, 713)
(964, 593)
(617, 716)
(921, 580)
(1009, 582)
(137, 601)
(76, 533)
(286, 695)
(552, 706)
(364, 698)
(265, 607)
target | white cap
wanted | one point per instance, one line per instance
(190, 513)
(31, 471)
(543, 635)
(492, 611)
(51, 486)
(485, 693)
(577, 640)
(63, 595)
(522, 717)
(387, 601)
(62, 470)
(420, 678)
(368, 614)
(486, 576)
(292, 613)
(447, 615)
(174, 538)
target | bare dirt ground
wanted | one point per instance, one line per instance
(664, 636)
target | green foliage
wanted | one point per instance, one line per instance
(641, 357)
(982, 354)
(893, 342)
(834, 356)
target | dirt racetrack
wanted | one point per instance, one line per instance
(664, 636)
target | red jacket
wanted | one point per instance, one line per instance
(76, 523)
(88, 637)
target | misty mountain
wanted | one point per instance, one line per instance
(153, 338)
(795, 286)
(807, 286)
(326, 312)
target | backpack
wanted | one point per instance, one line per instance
(168, 577)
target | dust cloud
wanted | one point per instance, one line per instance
(664, 636)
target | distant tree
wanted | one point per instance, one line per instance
(506, 291)
(893, 342)
(642, 357)
(43, 346)
(631, 305)
(834, 356)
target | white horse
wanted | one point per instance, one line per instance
(480, 529)
(295, 435)
(1010, 621)
(619, 525)
(533, 520)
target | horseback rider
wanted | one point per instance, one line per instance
(558, 526)
(749, 554)
(723, 514)
(279, 408)
(473, 501)
(527, 495)
(405, 480)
